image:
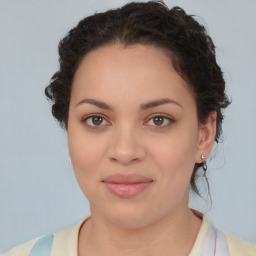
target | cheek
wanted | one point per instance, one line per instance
(175, 156)
(86, 153)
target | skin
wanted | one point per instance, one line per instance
(129, 140)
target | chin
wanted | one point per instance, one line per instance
(128, 217)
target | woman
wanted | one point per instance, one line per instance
(141, 97)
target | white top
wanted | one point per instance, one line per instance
(65, 243)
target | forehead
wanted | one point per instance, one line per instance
(134, 72)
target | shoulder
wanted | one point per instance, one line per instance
(212, 239)
(239, 247)
(59, 243)
(22, 249)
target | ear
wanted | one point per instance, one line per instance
(207, 132)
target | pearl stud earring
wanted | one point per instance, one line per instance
(204, 163)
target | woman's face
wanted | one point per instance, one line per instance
(132, 114)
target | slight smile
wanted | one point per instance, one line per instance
(127, 185)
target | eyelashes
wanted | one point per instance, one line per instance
(90, 120)
(160, 121)
(98, 121)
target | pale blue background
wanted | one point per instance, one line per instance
(38, 190)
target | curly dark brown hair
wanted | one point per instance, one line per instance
(152, 23)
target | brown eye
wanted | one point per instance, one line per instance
(159, 120)
(97, 120)
(94, 121)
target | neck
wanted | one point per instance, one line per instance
(173, 234)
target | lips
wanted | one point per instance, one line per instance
(127, 185)
(127, 179)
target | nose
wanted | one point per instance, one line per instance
(126, 146)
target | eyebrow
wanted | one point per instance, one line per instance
(143, 106)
